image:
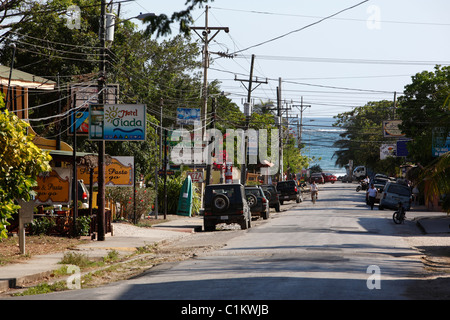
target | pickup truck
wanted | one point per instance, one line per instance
(289, 191)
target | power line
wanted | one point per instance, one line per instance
(346, 60)
(302, 28)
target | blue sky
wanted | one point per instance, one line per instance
(363, 54)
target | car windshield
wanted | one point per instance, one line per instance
(256, 192)
(379, 181)
(400, 190)
(230, 192)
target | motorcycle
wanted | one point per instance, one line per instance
(362, 186)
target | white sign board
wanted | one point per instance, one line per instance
(196, 176)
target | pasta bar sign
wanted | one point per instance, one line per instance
(117, 122)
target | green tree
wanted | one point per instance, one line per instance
(424, 107)
(21, 161)
(363, 136)
(438, 175)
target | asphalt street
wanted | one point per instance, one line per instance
(335, 249)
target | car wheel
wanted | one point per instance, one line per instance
(221, 202)
(251, 200)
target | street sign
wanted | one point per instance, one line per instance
(117, 122)
(168, 172)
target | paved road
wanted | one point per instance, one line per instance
(335, 249)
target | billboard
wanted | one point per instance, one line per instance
(118, 122)
(391, 129)
(441, 141)
(387, 150)
(82, 95)
(188, 116)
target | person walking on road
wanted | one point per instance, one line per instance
(372, 193)
(314, 191)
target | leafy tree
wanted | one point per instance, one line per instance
(21, 161)
(293, 160)
(363, 136)
(438, 174)
(423, 107)
(161, 24)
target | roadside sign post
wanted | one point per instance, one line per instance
(25, 216)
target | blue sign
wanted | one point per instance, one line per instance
(402, 148)
(188, 116)
(441, 141)
(118, 122)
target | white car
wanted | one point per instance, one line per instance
(393, 193)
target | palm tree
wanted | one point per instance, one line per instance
(438, 174)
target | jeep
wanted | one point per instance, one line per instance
(225, 203)
(257, 201)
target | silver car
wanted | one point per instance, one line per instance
(393, 193)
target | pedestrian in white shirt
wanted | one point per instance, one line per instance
(372, 193)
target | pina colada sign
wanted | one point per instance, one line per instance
(114, 122)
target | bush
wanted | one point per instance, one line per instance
(174, 185)
(42, 226)
(124, 195)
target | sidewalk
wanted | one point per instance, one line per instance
(125, 239)
(429, 221)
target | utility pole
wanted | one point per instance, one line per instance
(211, 126)
(280, 130)
(101, 144)
(247, 112)
(302, 108)
(206, 30)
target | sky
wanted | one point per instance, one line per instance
(363, 54)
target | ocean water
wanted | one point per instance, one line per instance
(318, 135)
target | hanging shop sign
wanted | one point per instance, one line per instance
(53, 187)
(391, 129)
(117, 122)
(119, 173)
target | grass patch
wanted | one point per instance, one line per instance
(43, 288)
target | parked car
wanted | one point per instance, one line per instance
(257, 201)
(289, 191)
(83, 194)
(225, 203)
(317, 177)
(272, 195)
(329, 177)
(379, 184)
(394, 193)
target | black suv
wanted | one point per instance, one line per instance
(272, 195)
(225, 203)
(289, 191)
(257, 201)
